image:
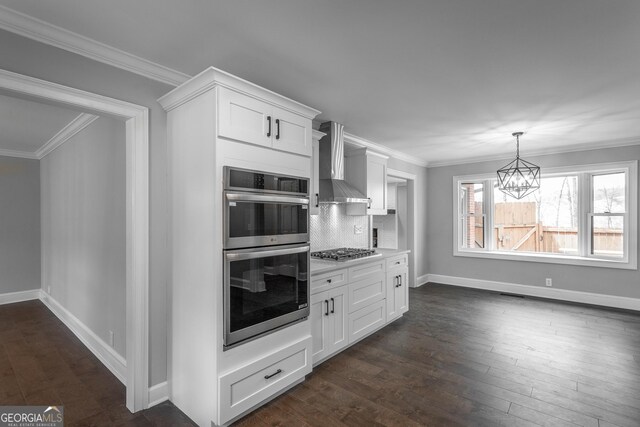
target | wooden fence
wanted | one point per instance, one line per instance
(518, 230)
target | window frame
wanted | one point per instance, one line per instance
(585, 215)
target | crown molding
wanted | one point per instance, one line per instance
(361, 142)
(75, 126)
(213, 77)
(44, 32)
(18, 153)
(615, 143)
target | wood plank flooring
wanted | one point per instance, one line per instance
(458, 357)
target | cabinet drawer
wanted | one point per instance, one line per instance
(325, 281)
(366, 291)
(367, 320)
(397, 261)
(244, 388)
(363, 270)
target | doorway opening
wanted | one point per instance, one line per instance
(137, 214)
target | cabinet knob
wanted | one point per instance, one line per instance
(328, 280)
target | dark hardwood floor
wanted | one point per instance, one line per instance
(458, 357)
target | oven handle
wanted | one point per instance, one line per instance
(261, 253)
(243, 197)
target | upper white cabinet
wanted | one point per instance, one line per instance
(247, 119)
(367, 171)
(314, 188)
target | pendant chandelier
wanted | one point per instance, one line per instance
(519, 178)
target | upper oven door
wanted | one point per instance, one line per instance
(264, 219)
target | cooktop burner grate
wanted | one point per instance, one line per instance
(343, 254)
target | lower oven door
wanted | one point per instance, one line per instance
(264, 289)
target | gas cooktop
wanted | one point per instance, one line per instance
(344, 254)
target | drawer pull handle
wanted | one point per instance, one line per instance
(326, 312)
(279, 371)
(328, 280)
(397, 262)
(277, 128)
(269, 129)
(333, 305)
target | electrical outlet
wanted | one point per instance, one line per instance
(111, 338)
(549, 282)
(358, 229)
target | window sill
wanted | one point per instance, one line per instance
(549, 259)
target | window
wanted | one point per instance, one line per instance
(584, 215)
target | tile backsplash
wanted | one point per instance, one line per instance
(333, 228)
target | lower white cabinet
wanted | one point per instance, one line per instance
(366, 320)
(349, 304)
(397, 292)
(397, 286)
(243, 388)
(328, 313)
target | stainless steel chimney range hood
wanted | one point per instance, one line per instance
(333, 187)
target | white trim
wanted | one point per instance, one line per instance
(361, 142)
(158, 393)
(616, 143)
(19, 154)
(541, 292)
(44, 32)
(422, 280)
(630, 262)
(412, 215)
(66, 133)
(137, 205)
(11, 297)
(104, 352)
(213, 77)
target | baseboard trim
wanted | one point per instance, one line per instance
(421, 280)
(158, 393)
(11, 297)
(535, 291)
(107, 355)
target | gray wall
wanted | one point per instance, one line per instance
(19, 225)
(84, 228)
(31, 58)
(577, 278)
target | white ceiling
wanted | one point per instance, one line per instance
(442, 80)
(25, 125)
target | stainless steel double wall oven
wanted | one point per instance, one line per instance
(266, 253)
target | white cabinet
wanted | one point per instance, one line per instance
(314, 187)
(329, 328)
(366, 320)
(247, 119)
(392, 196)
(367, 171)
(248, 386)
(397, 287)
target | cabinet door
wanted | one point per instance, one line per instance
(291, 132)
(392, 294)
(244, 118)
(320, 331)
(402, 292)
(338, 318)
(314, 193)
(377, 185)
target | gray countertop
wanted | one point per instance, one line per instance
(319, 266)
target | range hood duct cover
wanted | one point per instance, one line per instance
(333, 187)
